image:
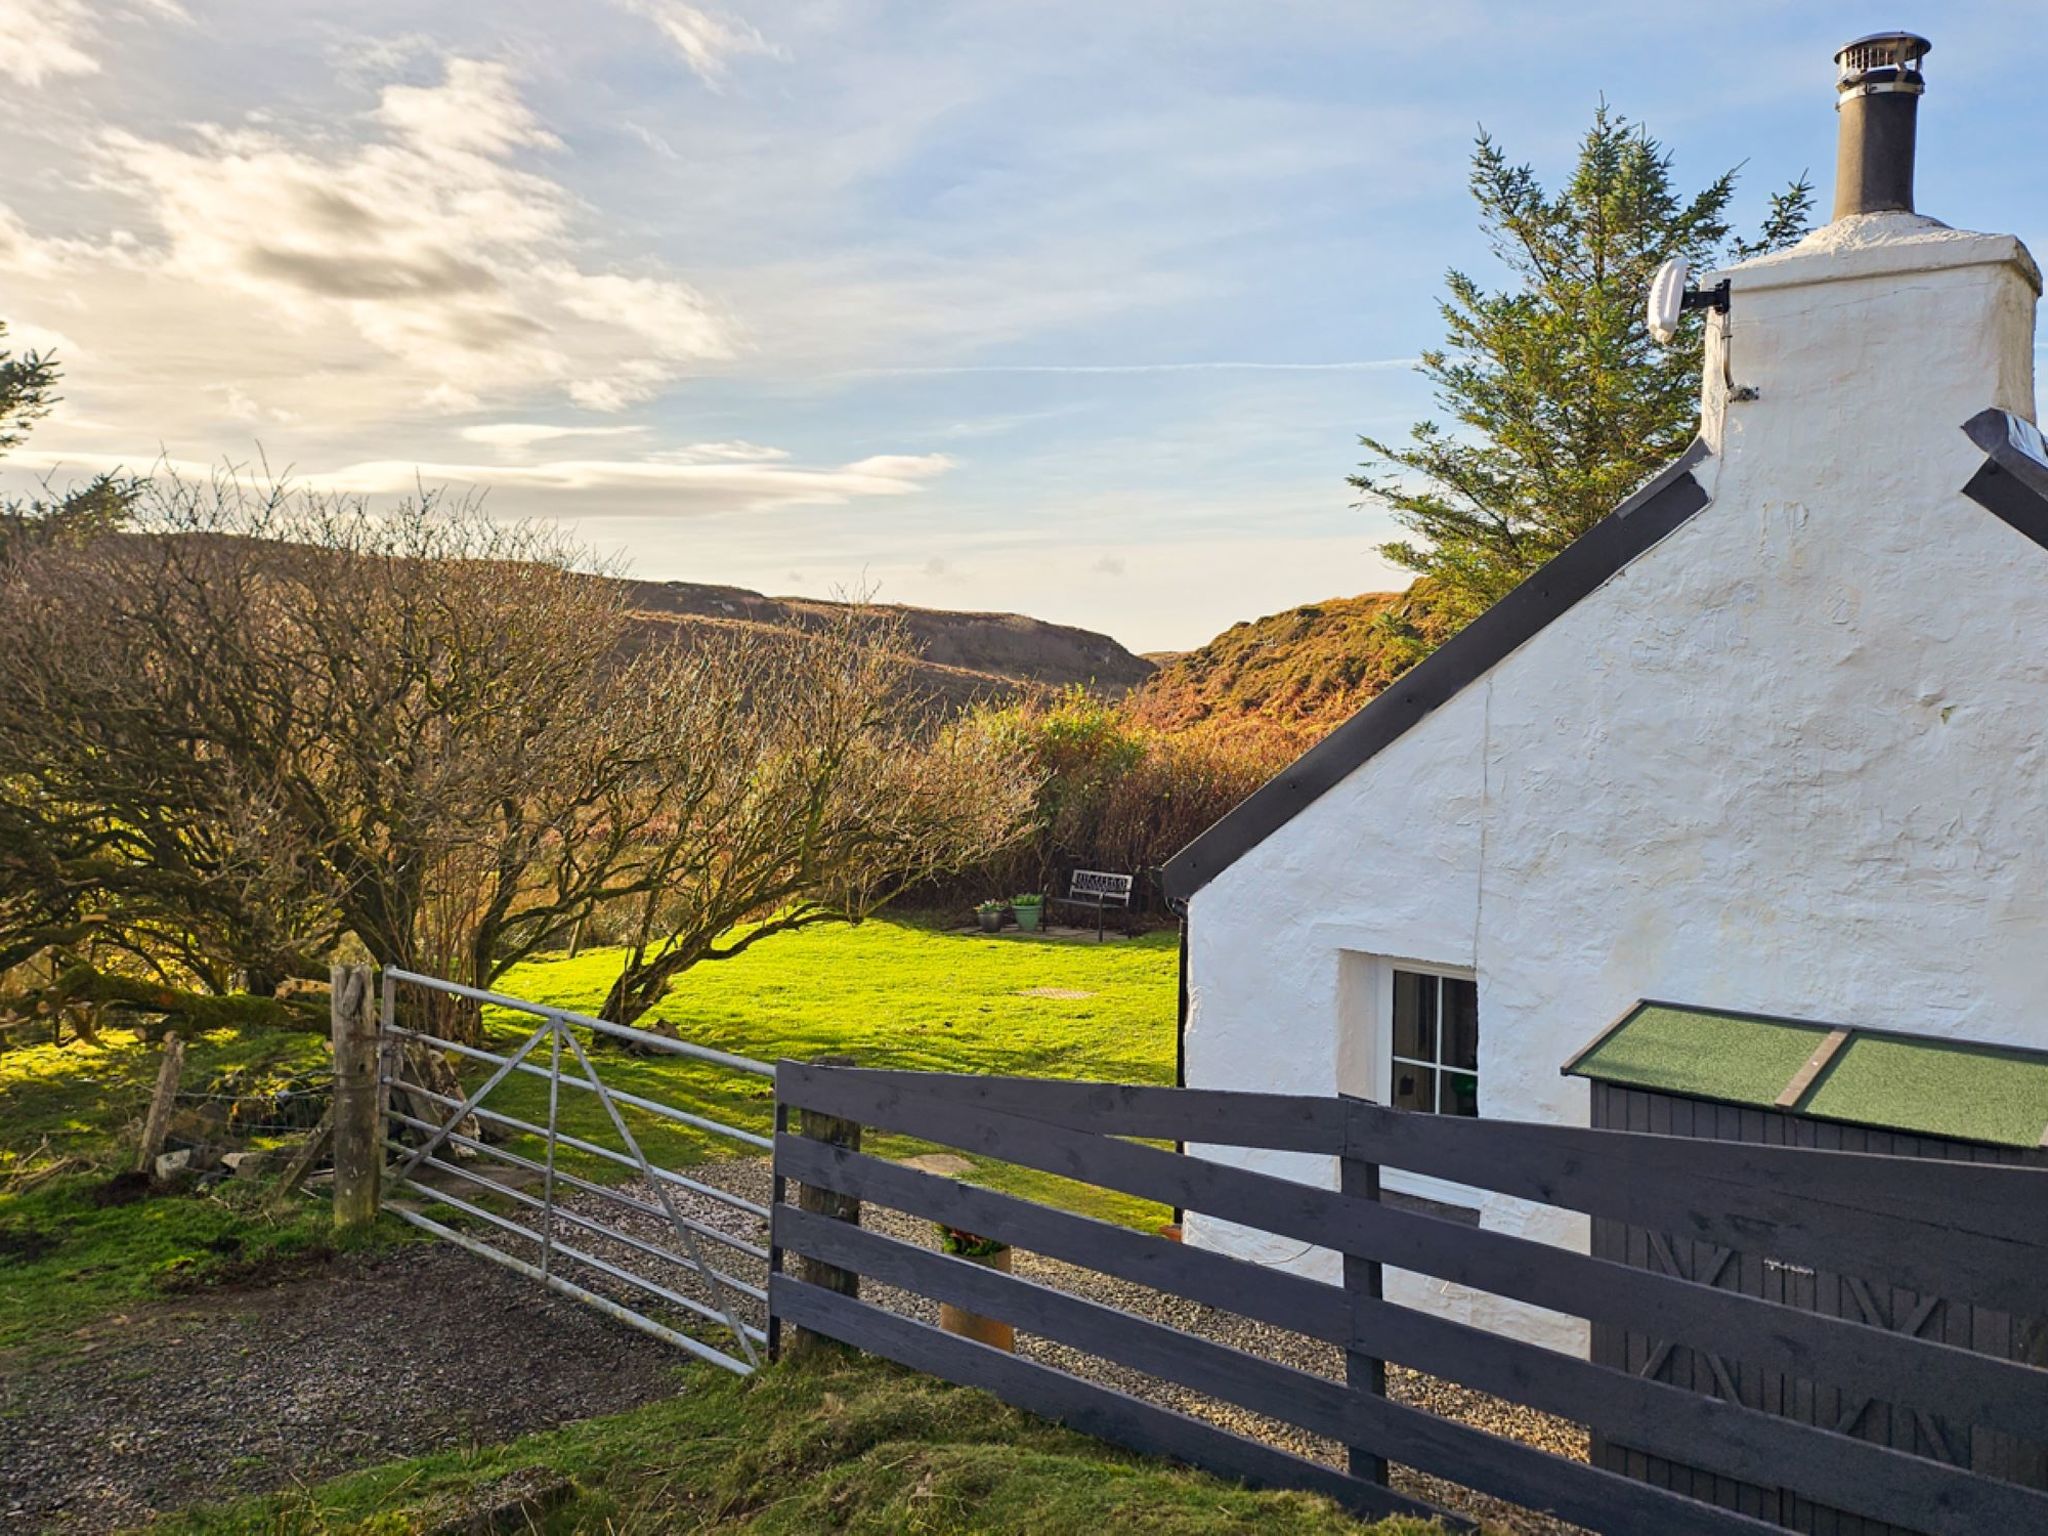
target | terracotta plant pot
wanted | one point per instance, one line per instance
(972, 1325)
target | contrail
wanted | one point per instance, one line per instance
(1363, 365)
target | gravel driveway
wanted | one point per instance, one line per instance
(387, 1355)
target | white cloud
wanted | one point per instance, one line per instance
(525, 434)
(416, 262)
(473, 111)
(43, 39)
(705, 39)
(664, 485)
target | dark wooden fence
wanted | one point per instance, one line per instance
(1872, 1299)
(1976, 1232)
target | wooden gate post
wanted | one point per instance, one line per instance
(358, 1138)
(1360, 1180)
(161, 1102)
(833, 1131)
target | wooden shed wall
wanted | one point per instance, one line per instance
(1862, 1298)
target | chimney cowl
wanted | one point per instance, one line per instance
(1877, 94)
(1883, 61)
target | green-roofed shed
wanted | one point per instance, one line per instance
(1996, 1096)
(1724, 1076)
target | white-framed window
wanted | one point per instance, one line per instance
(1393, 1047)
(1433, 1042)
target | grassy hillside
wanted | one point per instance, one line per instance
(839, 1444)
(1303, 671)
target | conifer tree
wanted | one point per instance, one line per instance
(27, 386)
(1562, 403)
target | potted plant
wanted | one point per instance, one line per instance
(1028, 909)
(990, 914)
(990, 1254)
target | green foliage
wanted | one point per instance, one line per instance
(82, 1100)
(836, 1443)
(1115, 792)
(1561, 401)
(966, 1244)
(28, 388)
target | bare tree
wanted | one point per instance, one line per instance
(265, 720)
(812, 791)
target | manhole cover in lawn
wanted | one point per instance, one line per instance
(1065, 994)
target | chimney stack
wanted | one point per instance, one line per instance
(1878, 87)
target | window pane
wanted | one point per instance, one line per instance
(1461, 1024)
(1414, 1087)
(1461, 1094)
(1415, 1015)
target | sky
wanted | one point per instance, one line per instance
(1075, 310)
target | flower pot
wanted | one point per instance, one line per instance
(991, 922)
(1027, 917)
(972, 1325)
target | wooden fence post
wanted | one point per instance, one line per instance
(161, 1103)
(833, 1131)
(1360, 1180)
(358, 1138)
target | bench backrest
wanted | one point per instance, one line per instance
(1101, 885)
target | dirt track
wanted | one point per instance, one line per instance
(248, 1391)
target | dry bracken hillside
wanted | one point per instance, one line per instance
(1304, 670)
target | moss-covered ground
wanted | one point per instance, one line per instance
(833, 1444)
(74, 1242)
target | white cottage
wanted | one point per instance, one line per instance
(1773, 737)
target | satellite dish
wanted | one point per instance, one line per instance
(1667, 298)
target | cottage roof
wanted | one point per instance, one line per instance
(2012, 483)
(1912, 1083)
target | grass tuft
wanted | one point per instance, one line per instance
(836, 1443)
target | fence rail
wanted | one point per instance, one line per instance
(1952, 1228)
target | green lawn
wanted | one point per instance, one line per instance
(838, 1444)
(889, 994)
(886, 993)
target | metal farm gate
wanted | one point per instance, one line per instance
(659, 1252)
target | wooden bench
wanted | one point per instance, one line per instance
(1098, 891)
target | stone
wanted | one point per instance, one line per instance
(171, 1166)
(248, 1165)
